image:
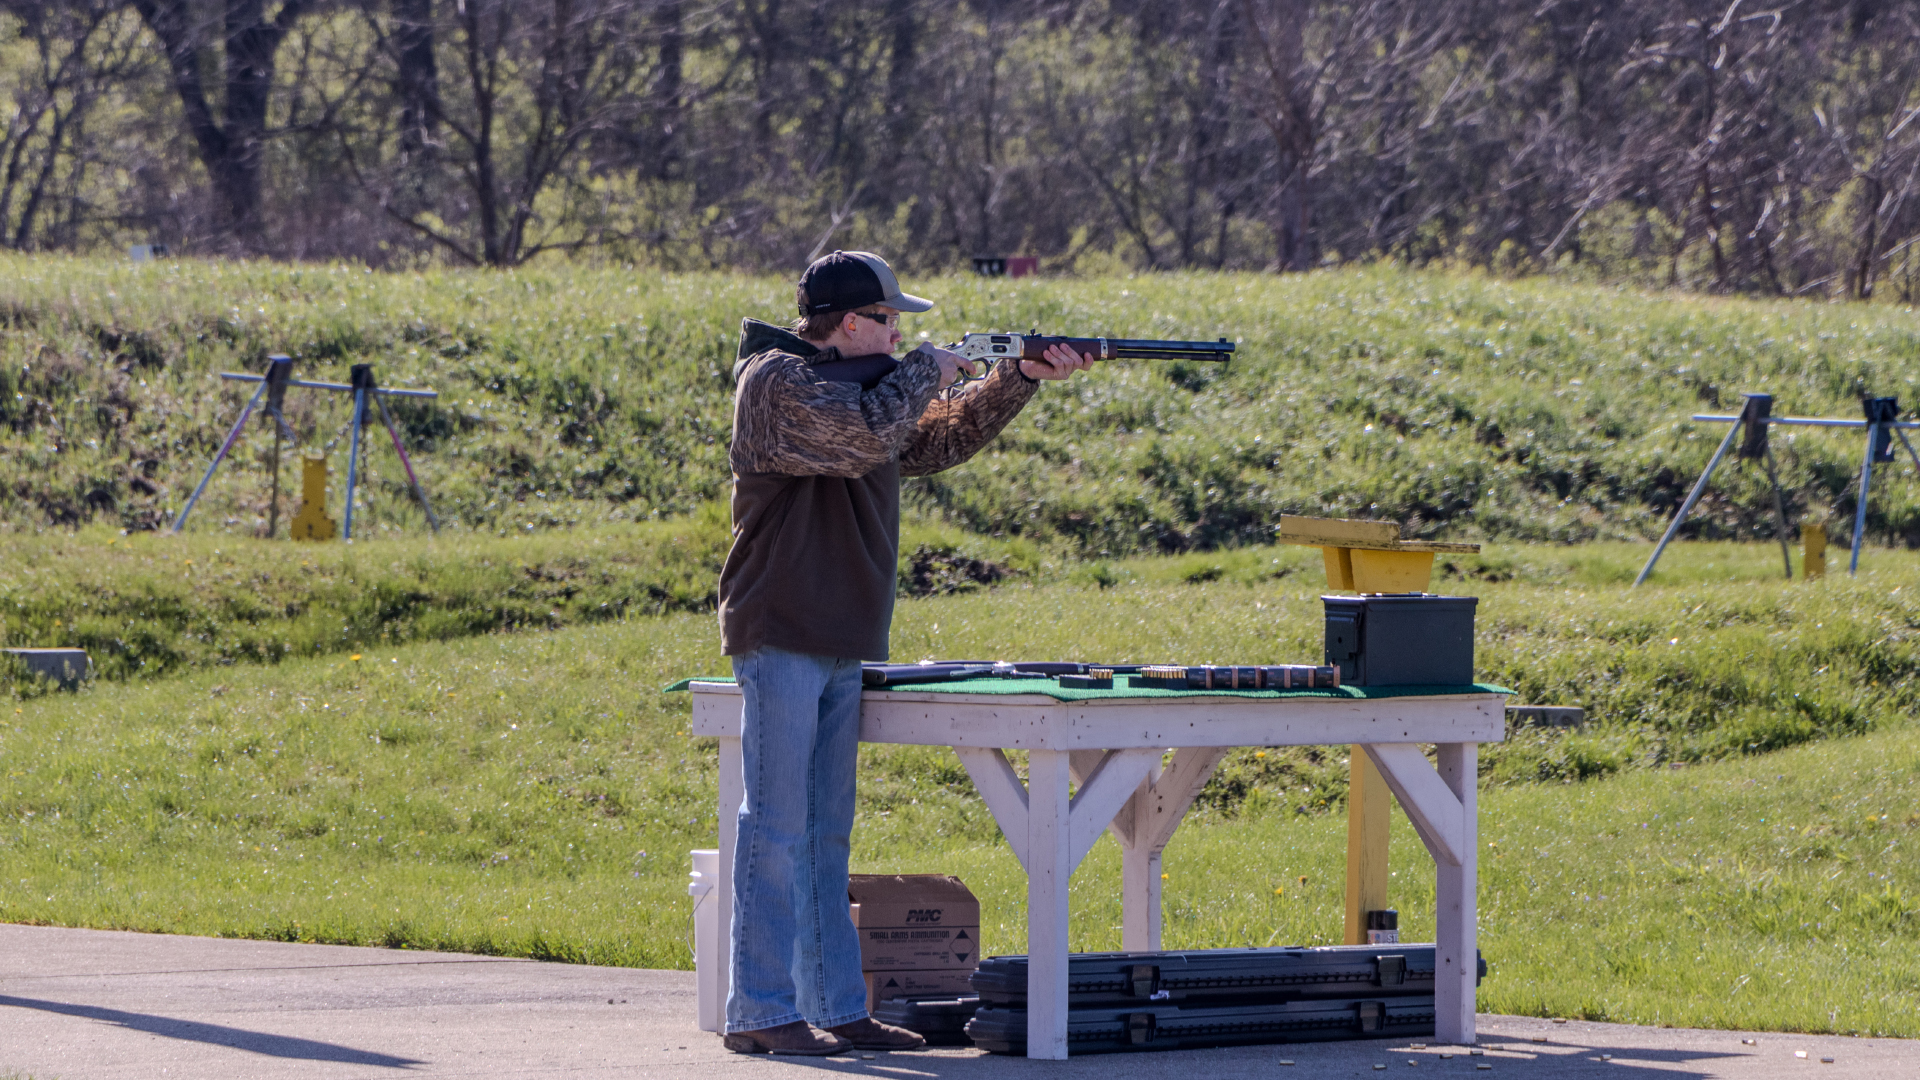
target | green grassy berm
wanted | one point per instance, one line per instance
(1461, 405)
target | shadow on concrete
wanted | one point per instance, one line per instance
(1570, 1060)
(258, 1042)
(1562, 1055)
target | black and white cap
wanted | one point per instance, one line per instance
(845, 280)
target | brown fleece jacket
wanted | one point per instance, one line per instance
(816, 490)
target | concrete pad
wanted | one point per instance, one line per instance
(107, 1005)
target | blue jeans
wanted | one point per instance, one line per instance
(796, 954)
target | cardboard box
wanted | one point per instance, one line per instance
(882, 985)
(919, 933)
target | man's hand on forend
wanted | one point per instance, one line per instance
(1058, 362)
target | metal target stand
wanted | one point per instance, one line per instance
(1883, 424)
(273, 387)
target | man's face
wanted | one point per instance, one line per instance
(867, 334)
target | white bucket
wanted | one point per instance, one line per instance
(709, 942)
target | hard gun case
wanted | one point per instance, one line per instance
(941, 1021)
(1214, 976)
(1161, 1026)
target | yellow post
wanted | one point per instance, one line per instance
(1339, 562)
(1391, 571)
(1813, 558)
(1367, 557)
(312, 522)
(1368, 802)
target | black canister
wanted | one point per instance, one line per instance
(1401, 639)
(1383, 927)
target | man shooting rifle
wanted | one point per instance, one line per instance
(825, 422)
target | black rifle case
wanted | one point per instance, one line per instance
(1161, 1026)
(1221, 976)
(941, 1021)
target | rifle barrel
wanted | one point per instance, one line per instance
(1134, 348)
(1141, 352)
(1147, 349)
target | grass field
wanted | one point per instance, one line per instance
(458, 741)
(533, 794)
(147, 604)
(1458, 404)
(1716, 656)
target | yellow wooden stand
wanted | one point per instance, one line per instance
(312, 522)
(1367, 557)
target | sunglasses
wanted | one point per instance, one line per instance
(889, 321)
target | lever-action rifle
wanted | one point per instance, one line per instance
(954, 670)
(1032, 345)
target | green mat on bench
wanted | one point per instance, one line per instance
(1052, 689)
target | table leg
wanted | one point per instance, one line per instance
(1456, 943)
(733, 791)
(1368, 803)
(1139, 898)
(1146, 826)
(1049, 866)
(1442, 803)
(1139, 859)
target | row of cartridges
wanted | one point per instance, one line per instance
(1222, 677)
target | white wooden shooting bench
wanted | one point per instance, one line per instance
(1098, 761)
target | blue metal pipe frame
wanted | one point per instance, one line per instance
(353, 459)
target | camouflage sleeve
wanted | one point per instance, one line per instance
(955, 427)
(788, 422)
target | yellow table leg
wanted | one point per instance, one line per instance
(1368, 802)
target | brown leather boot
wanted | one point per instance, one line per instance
(867, 1033)
(798, 1038)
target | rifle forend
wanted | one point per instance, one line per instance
(992, 347)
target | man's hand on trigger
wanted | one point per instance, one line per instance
(952, 366)
(1058, 362)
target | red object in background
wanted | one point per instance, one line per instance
(1022, 265)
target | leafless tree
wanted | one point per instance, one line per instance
(243, 40)
(1739, 145)
(1308, 56)
(512, 104)
(80, 52)
(1871, 119)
